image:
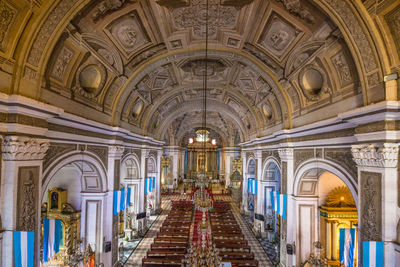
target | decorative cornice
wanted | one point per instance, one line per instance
(286, 153)
(24, 148)
(376, 155)
(116, 151)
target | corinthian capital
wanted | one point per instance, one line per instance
(286, 153)
(24, 148)
(376, 155)
(115, 151)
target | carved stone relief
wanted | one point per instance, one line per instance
(62, 62)
(47, 29)
(366, 52)
(101, 152)
(106, 7)
(342, 68)
(195, 70)
(114, 241)
(295, 7)
(55, 150)
(7, 16)
(194, 16)
(393, 20)
(117, 167)
(28, 191)
(128, 33)
(371, 206)
(278, 35)
(301, 155)
(344, 157)
(284, 178)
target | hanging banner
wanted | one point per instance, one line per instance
(372, 254)
(346, 246)
(51, 238)
(24, 247)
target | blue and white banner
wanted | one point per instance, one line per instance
(119, 201)
(149, 184)
(346, 246)
(122, 201)
(24, 247)
(277, 201)
(154, 183)
(372, 254)
(128, 196)
(252, 186)
(145, 186)
(272, 198)
(282, 205)
(51, 238)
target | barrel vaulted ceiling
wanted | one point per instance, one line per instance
(139, 64)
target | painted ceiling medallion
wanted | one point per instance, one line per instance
(194, 16)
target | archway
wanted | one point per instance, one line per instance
(325, 201)
(271, 181)
(73, 192)
(129, 179)
(251, 198)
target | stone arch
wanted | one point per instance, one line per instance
(325, 165)
(134, 158)
(77, 157)
(267, 162)
(250, 160)
(151, 162)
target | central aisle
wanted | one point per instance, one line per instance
(145, 246)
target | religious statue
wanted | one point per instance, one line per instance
(54, 201)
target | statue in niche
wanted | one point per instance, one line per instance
(54, 201)
(28, 211)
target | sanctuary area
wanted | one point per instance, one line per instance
(199, 133)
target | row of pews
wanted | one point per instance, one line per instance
(228, 237)
(170, 245)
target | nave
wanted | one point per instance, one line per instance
(173, 236)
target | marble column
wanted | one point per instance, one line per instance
(288, 226)
(378, 196)
(110, 221)
(328, 240)
(144, 155)
(335, 241)
(21, 187)
(244, 183)
(259, 198)
(158, 181)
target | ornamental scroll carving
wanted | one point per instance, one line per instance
(47, 29)
(371, 206)
(24, 148)
(7, 14)
(376, 155)
(28, 179)
(360, 38)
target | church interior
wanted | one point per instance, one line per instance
(199, 133)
